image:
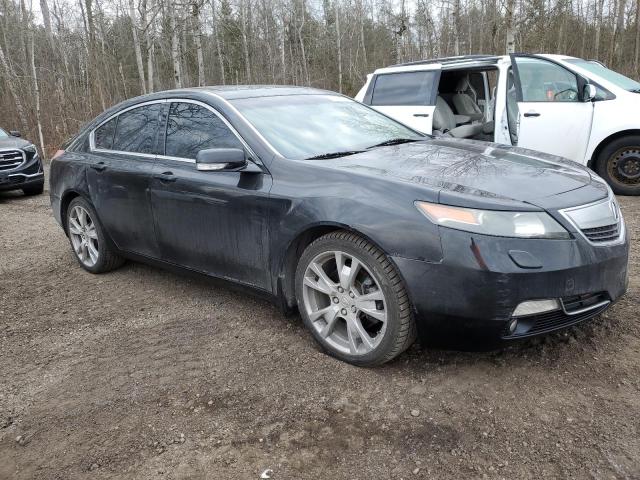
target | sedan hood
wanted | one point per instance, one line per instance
(470, 173)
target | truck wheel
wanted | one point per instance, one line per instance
(619, 165)
(353, 301)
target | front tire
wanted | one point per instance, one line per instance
(88, 240)
(353, 301)
(619, 165)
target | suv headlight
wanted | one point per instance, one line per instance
(494, 222)
(31, 151)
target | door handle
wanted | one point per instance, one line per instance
(532, 114)
(420, 114)
(166, 177)
(100, 166)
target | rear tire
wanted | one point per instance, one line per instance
(88, 241)
(619, 164)
(359, 312)
(33, 190)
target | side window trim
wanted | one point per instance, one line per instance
(213, 110)
(92, 140)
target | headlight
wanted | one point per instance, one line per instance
(494, 222)
(31, 151)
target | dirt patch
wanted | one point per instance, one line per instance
(141, 373)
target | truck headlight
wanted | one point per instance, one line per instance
(494, 222)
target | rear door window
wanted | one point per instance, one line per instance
(404, 88)
(136, 129)
(192, 128)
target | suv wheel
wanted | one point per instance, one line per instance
(619, 165)
(89, 243)
(353, 301)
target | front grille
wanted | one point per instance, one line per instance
(602, 234)
(557, 319)
(10, 159)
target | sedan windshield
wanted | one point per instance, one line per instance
(600, 70)
(321, 126)
(3, 134)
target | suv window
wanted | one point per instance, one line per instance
(136, 129)
(543, 81)
(103, 136)
(405, 88)
(192, 128)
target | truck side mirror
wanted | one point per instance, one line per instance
(589, 93)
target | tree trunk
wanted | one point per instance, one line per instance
(599, 13)
(197, 37)
(636, 57)
(339, 47)
(456, 27)
(46, 19)
(136, 47)
(11, 85)
(245, 42)
(510, 46)
(217, 37)
(36, 97)
(175, 47)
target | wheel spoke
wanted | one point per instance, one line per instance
(352, 333)
(331, 319)
(313, 316)
(93, 252)
(91, 232)
(373, 313)
(324, 282)
(362, 334)
(319, 286)
(74, 227)
(82, 216)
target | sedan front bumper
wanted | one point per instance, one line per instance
(474, 290)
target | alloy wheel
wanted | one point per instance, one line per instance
(84, 238)
(344, 302)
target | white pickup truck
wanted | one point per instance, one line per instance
(565, 106)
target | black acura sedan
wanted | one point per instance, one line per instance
(375, 232)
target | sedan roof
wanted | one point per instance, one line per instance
(232, 92)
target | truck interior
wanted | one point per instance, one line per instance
(465, 103)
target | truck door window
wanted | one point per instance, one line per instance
(543, 81)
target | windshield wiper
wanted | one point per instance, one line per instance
(334, 155)
(394, 141)
(635, 90)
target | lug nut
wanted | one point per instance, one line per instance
(353, 309)
(343, 311)
(340, 289)
(351, 294)
(335, 300)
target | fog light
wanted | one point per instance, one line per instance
(531, 307)
(513, 324)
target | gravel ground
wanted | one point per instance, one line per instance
(141, 373)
